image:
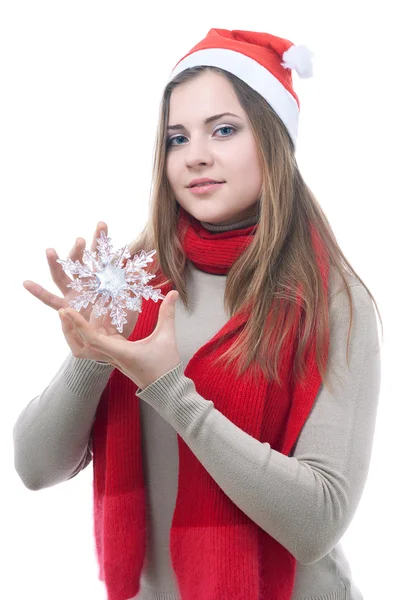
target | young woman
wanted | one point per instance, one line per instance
(231, 424)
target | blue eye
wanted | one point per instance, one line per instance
(171, 140)
(225, 127)
(177, 137)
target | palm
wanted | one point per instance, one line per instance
(104, 326)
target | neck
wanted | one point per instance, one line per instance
(252, 220)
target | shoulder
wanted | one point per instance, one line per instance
(338, 291)
(336, 282)
(364, 322)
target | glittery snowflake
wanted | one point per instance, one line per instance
(105, 275)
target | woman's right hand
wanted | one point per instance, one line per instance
(61, 279)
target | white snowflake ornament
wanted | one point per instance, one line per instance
(105, 275)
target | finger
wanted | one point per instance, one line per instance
(78, 347)
(74, 340)
(101, 226)
(89, 336)
(60, 278)
(77, 250)
(43, 295)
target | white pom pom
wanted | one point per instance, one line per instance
(300, 59)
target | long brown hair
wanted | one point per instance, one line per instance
(279, 258)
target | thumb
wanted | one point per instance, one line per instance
(170, 300)
(166, 317)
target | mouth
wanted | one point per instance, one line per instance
(203, 183)
(206, 187)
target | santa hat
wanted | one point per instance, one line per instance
(262, 60)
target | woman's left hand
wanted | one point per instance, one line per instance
(143, 361)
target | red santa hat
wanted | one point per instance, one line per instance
(262, 60)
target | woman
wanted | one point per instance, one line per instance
(263, 357)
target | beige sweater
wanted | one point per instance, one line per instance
(306, 501)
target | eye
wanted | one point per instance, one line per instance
(172, 139)
(178, 137)
(225, 127)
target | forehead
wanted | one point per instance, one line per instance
(204, 95)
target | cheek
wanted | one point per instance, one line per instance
(255, 171)
(245, 166)
(253, 163)
(243, 155)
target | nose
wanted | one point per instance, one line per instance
(198, 153)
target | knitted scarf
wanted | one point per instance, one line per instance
(217, 552)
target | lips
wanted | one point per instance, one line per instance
(203, 181)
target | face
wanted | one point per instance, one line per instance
(222, 149)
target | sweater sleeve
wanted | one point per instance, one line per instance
(52, 433)
(305, 501)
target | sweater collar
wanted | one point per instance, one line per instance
(252, 220)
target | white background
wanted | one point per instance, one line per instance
(80, 86)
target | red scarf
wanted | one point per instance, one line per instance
(217, 552)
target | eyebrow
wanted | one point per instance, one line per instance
(208, 120)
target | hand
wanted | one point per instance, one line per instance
(61, 279)
(142, 361)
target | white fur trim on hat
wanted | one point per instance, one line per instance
(300, 59)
